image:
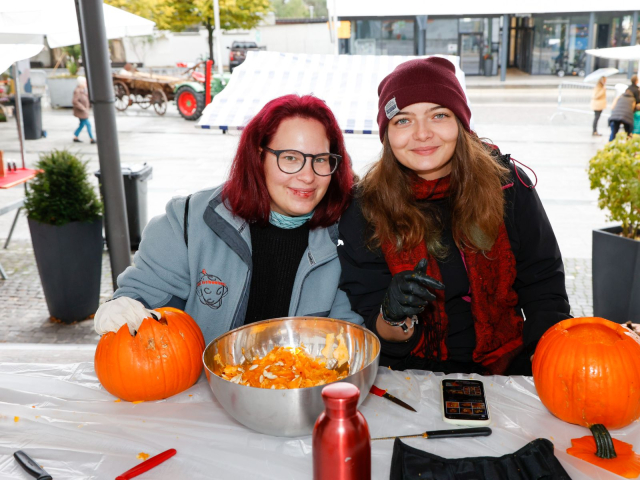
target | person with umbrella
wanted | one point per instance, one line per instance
(622, 112)
(598, 102)
(599, 96)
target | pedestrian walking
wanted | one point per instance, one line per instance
(81, 108)
(598, 103)
(622, 112)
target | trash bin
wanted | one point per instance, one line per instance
(135, 179)
(31, 115)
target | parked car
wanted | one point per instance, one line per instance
(238, 52)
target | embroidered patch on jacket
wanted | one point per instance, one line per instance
(391, 108)
(211, 290)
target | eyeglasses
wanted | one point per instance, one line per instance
(292, 161)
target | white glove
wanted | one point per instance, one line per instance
(115, 313)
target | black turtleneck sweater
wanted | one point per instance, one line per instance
(276, 254)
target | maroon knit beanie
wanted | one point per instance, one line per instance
(431, 80)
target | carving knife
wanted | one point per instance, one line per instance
(383, 393)
(459, 432)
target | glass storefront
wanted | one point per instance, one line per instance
(472, 39)
(384, 37)
(559, 44)
(547, 44)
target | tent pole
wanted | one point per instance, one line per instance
(18, 102)
(98, 68)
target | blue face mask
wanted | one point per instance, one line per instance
(282, 221)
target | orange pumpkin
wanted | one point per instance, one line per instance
(164, 357)
(587, 372)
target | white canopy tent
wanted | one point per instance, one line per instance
(618, 53)
(58, 21)
(62, 21)
(12, 53)
(347, 83)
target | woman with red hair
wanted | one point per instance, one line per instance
(262, 245)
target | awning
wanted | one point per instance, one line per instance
(617, 53)
(347, 83)
(58, 21)
(11, 53)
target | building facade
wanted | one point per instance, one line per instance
(536, 42)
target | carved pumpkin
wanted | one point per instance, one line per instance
(587, 372)
(163, 359)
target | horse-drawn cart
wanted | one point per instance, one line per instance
(145, 90)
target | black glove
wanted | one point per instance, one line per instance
(408, 295)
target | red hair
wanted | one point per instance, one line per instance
(245, 192)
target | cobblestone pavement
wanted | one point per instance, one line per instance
(186, 159)
(24, 317)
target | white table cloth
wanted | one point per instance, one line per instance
(53, 407)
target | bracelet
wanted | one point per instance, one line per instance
(402, 324)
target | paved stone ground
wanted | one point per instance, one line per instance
(24, 317)
(186, 159)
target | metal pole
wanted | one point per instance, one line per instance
(98, 67)
(18, 102)
(421, 21)
(505, 48)
(218, 33)
(83, 48)
(336, 50)
(591, 41)
(634, 41)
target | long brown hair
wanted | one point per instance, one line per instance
(477, 202)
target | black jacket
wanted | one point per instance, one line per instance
(636, 92)
(542, 296)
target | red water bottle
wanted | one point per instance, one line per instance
(341, 440)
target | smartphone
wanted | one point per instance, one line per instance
(464, 402)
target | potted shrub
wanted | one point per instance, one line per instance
(65, 220)
(61, 86)
(615, 173)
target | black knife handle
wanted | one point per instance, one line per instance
(30, 466)
(460, 432)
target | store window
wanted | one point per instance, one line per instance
(559, 44)
(442, 36)
(384, 37)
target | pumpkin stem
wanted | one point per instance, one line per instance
(604, 443)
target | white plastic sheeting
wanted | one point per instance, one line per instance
(72, 427)
(347, 83)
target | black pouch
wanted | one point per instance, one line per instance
(534, 461)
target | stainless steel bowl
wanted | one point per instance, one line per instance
(286, 413)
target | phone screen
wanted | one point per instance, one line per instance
(464, 400)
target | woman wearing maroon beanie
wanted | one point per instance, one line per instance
(446, 248)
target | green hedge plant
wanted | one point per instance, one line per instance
(61, 192)
(615, 173)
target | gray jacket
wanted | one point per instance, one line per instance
(624, 108)
(210, 278)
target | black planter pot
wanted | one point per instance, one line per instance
(69, 259)
(616, 276)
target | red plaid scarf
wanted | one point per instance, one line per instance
(491, 275)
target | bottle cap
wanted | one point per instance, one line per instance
(340, 395)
